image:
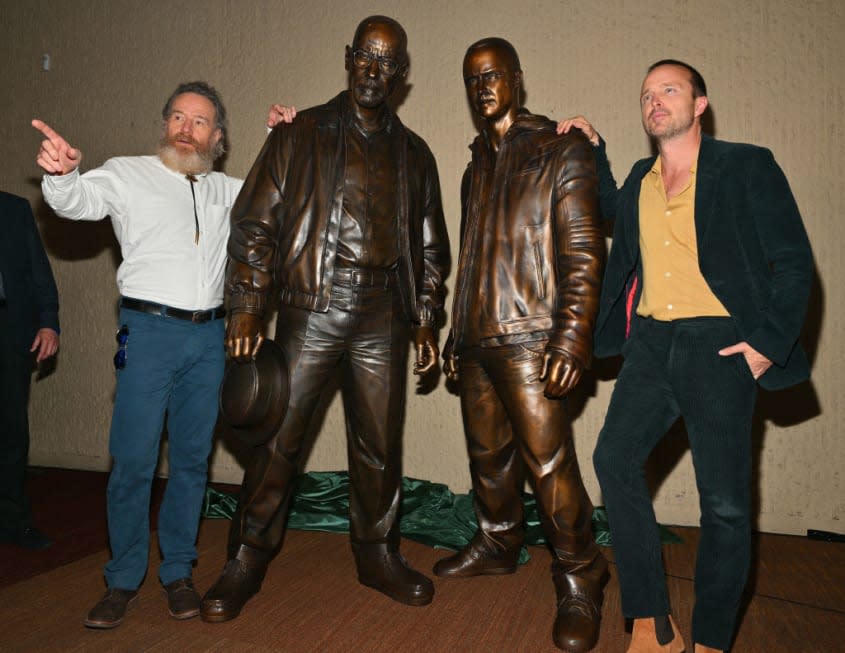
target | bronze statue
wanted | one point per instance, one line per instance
(340, 218)
(525, 304)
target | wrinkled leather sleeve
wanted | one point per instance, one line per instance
(431, 292)
(255, 225)
(580, 251)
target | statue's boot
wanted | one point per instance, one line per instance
(382, 567)
(580, 593)
(240, 581)
(480, 557)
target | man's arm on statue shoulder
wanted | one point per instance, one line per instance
(608, 189)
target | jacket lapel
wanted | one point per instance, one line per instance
(706, 182)
(632, 227)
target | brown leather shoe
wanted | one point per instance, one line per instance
(474, 560)
(385, 570)
(579, 599)
(240, 581)
(656, 635)
(183, 602)
(110, 610)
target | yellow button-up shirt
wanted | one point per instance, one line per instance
(673, 286)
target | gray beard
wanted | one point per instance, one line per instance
(192, 163)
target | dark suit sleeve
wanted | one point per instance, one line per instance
(43, 286)
(608, 192)
(787, 249)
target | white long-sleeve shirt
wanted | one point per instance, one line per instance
(152, 214)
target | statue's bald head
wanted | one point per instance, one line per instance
(380, 24)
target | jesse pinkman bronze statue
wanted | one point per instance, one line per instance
(525, 304)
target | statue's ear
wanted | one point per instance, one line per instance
(520, 90)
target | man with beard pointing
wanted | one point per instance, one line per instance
(170, 214)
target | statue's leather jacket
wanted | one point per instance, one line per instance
(531, 246)
(286, 219)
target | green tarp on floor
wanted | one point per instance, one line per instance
(431, 513)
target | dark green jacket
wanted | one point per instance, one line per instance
(753, 252)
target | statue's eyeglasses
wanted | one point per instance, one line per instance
(490, 77)
(364, 58)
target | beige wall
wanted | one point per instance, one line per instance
(775, 77)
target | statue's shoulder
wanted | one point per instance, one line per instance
(321, 115)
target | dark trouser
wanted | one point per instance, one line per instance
(363, 341)
(673, 369)
(511, 426)
(15, 373)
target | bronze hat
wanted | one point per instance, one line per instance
(254, 394)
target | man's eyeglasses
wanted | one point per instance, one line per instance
(122, 337)
(364, 58)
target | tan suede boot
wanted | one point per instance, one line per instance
(700, 648)
(644, 638)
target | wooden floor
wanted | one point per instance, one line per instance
(311, 601)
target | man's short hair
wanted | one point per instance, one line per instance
(496, 43)
(699, 88)
(209, 93)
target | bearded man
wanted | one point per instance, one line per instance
(170, 214)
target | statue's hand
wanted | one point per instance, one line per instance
(243, 336)
(560, 372)
(450, 368)
(426, 348)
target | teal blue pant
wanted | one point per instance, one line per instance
(173, 368)
(672, 370)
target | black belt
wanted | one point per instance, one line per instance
(365, 277)
(168, 311)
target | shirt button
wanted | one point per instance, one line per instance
(667, 274)
(668, 213)
(666, 243)
(669, 306)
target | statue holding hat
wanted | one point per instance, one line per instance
(340, 219)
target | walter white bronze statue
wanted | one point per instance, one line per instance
(340, 219)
